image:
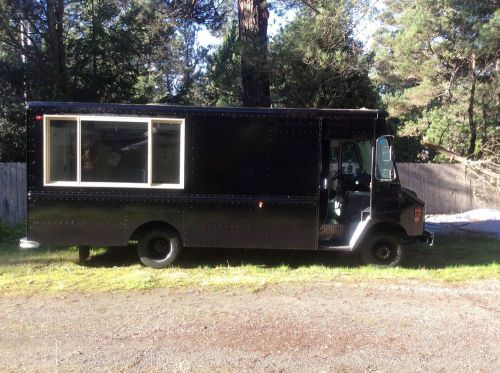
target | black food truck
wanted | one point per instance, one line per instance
(169, 177)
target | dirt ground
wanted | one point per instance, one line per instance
(378, 326)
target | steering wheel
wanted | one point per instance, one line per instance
(337, 174)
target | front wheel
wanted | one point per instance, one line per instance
(159, 248)
(382, 249)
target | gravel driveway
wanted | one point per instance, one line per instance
(379, 326)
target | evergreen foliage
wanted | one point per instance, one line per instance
(317, 62)
(97, 51)
(437, 68)
(434, 64)
(223, 76)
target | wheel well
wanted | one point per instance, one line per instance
(152, 225)
(388, 227)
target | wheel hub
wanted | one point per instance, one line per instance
(159, 248)
(383, 252)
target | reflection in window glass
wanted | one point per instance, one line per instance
(166, 153)
(334, 158)
(384, 161)
(365, 151)
(62, 150)
(350, 160)
(114, 151)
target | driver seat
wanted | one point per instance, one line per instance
(354, 203)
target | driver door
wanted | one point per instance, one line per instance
(385, 181)
(325, 182)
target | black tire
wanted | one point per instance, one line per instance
(382, 249)
(159, 248)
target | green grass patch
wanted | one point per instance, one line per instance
(11, 233)
(452, 259)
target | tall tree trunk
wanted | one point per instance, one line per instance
(484, 127)
(470, 110)
(189, 35)
(24, 31)
(57, 55)
(253, 16)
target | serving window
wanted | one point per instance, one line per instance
(62, 152)
(104, 151)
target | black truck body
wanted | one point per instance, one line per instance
(106, 174)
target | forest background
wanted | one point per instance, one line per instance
(432, 64)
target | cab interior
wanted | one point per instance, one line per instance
(345, 190)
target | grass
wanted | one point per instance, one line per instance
(11, 234)
(55, 270)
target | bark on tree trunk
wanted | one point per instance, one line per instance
(55, 15)
(189, 36)
(470, 111)
(24, 31)
(253, 16)
(484, 129)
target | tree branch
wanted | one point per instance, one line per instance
(309, 4)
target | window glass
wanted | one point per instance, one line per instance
(166, 153)
(62, 150)
(385, 165)
(350, 160)
(365, 152)
(114, 151)
(334, 157)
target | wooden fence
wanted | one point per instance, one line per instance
(12, 192)
(444, 187)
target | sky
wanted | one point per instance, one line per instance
(363, 32)
(205, 38)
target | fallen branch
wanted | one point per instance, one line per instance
(484, 173)
(482, 166)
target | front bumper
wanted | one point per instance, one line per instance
(26, 244)
(427, 237)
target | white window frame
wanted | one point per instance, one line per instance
(79, 183)
(46, 151)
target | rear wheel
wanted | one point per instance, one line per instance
(159, 247)
(382, 249)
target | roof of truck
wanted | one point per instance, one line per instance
(203, 110)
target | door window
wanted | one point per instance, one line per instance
(385, 169)
(365, 152)
(350, 159)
